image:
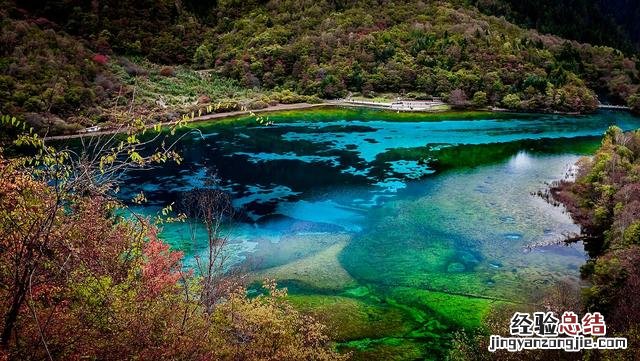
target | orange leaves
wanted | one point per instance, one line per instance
(91, 284)
(161, 267)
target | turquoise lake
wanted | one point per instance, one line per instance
(394, 229)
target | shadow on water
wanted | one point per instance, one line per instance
(393, 229)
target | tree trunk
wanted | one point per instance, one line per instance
(12, 316)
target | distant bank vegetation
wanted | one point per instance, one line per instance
(62, 64)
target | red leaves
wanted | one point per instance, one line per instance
(101, 59)
(91, 284)
(161, 268)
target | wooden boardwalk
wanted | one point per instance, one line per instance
(403, 105)
(613, 107)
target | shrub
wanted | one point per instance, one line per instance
(258, 104)
(202, 57)
(100, 59)
(132, 68)
(634, 102)
(203, 99)
(458, 98)
(167, 71)
(34, 104)
(105, 82)
(511, 101)
(479, 99)
(632, 233)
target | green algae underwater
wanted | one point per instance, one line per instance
(394, 229)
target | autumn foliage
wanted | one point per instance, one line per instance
(604, 200)
(81, 280)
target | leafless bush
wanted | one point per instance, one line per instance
(210, 208)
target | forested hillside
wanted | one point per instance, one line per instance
(604, 200)
(431, 48)
(71, 63)
(599, 22)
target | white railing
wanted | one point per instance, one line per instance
(398, 104)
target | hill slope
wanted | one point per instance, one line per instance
(433, 48)
(599, 22)
(328, 48)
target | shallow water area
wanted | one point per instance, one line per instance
(394, 229)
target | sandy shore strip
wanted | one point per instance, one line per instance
(273, 108)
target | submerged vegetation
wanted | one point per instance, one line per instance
(380, 293)
(604, 199)
(391, 277)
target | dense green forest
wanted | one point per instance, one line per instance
(600, 22)
(70, 64)
(432, 49)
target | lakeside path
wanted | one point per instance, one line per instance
(411, 106)
(201, 118)
(399, 105)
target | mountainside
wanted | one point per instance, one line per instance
(626, 13)
(599, 22)
(432, 48)
(63, 60)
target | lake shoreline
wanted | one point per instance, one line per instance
(202, 118)
(406, 108)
